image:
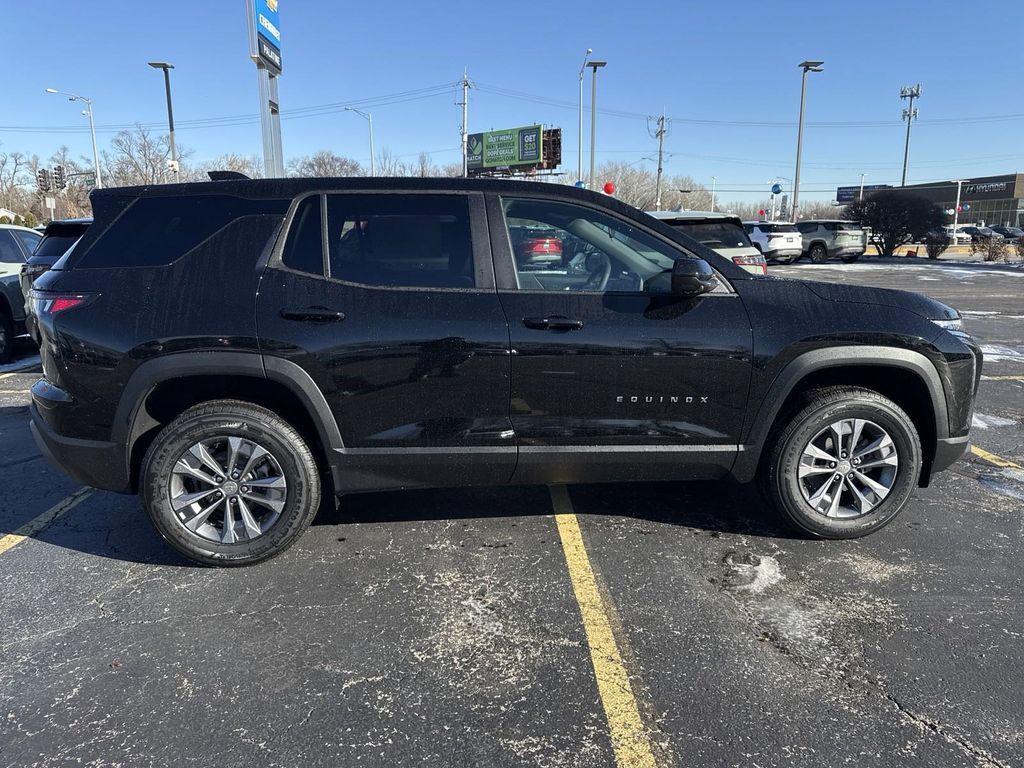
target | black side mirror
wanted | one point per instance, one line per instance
(692, 277)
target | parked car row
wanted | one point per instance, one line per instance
(16, 245)
(25, 254)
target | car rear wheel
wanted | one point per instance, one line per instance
(230, 483)
(819, 253)
(844, 464)
(6, 337)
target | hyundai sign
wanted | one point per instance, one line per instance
(266, 42)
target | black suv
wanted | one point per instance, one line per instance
(58, 237)
(228, 349)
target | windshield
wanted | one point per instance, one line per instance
(777, 228)
(714, 234)
(847, 226)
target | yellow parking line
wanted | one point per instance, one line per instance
(631, 740)
(991, 458)
(37, 524)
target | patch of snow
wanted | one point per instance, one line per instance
(977, 312)
(995, 353)
(982, 421)
(24, 364)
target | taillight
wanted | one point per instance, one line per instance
(756, 264)
(45, 303)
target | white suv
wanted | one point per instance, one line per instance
(827, 238)
(721, 232)
(777, 240)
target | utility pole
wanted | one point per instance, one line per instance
(465, 120)
(659, 133)
(579, 164)
(714, 183)
(910, 115)
(806, 66)
(594, 66)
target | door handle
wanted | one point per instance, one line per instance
(553, 323)
(313, 315)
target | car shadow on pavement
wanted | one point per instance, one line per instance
(721, 506)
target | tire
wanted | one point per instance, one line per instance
(218, 425)
(851, 258)
(785, 455)
(6, 336)
(819, 253)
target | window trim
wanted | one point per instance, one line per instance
(501, 248)
(483, 269)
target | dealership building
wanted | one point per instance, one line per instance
(994, 200)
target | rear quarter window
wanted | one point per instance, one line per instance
(156, 231)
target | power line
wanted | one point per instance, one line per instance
(226, 121)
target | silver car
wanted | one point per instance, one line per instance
(832, 238)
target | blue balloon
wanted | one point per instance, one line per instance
(581, 184)
(776, 189)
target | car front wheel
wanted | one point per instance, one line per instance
(230, 483)
(844, 464)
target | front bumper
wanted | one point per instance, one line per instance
(95, 463)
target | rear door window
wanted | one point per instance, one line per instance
(396, 240)
(304, 248)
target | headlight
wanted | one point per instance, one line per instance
(956, 324)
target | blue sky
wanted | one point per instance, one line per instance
(727, 62)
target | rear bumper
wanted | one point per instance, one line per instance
(91, 462)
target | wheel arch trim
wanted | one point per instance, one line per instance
(143, 381)
(745, 466)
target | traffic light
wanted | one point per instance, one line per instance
(44, 179)
(60, 179)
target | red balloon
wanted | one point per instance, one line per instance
(761, 212)
(609, 188)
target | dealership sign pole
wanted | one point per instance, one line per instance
(265, 51)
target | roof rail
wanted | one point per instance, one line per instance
(226, 175)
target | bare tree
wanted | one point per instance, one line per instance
(13, 172)
(139, 157)
(250, 165)
(389, 164)
(325, 163)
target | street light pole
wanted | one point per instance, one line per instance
(806, 66)
(579, 153)
(170, 112)
(92, 130)
(714, 182)
(594, 66)
(861, 196)
(956, 208)
(368, 116)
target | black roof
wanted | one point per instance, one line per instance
(290, 187)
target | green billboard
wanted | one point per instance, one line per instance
(505, 148)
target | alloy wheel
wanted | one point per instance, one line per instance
(227, 489)
(848, 468)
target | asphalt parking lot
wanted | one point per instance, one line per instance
(629, 625)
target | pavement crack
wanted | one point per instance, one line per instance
(983, 757)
